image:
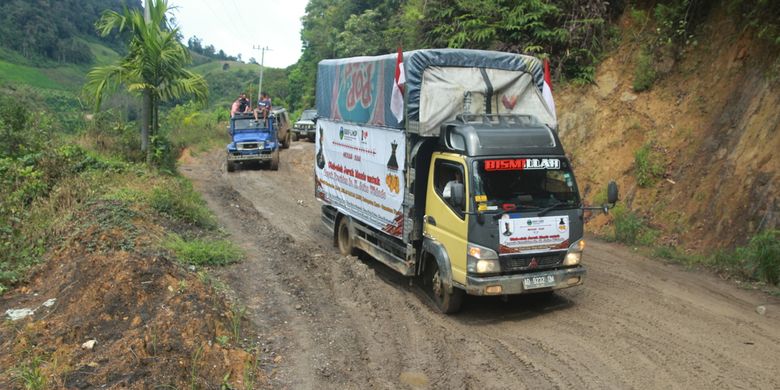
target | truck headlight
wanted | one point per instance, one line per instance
(481, 260)
(574, 255)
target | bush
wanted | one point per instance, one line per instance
(204, 252)
(644, 73)
(762, 256)
(648, 165)
(180, 201)
(628, 226)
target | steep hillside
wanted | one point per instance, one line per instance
(695, 154)
(16, 70)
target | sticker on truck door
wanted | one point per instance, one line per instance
(532, 235)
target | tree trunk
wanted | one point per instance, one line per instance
(146, 119)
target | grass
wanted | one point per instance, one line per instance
(648, 165)
(31, 376)
(644, 73)
(11, 73)
(629, 228)
(216, 66)
(203, 251)
(177, 199)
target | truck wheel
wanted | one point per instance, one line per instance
(312, 138)
(344, 238)
(447, 303)
(231, 166)
(274, 164)
(286, 142)
(294, 136)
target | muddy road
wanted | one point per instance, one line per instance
(328, 321)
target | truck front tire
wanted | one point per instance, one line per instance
(231, 166)
(287, 140)
(446, 302)
(274, 163)
(294, 136)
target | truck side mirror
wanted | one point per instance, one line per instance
(458, 195)
(612, 192)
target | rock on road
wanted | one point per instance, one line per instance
(328, 321)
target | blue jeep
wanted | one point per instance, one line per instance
(252, 141)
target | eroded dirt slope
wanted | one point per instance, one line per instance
(341, 322)
(712, 118)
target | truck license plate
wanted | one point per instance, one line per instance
(538, 282)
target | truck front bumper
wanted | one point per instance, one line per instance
(516, 284)
(250, 157)
(304, 132)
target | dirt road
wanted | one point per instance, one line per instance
(339, 322)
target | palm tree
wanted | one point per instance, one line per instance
(153, 66)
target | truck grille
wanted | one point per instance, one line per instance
(516, 263)
(248, 145)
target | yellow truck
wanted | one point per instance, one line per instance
(445, 165)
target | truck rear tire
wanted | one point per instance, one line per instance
(447, 303)
(344, 238)
(287, 140)
(274, 163)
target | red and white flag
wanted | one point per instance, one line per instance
(397, 99)
(547, 89)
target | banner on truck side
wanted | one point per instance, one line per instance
(359, 170)
(532, 235)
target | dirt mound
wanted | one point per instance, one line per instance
(155, 322)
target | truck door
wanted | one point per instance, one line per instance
(444, 221)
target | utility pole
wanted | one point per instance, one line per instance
(262, 60)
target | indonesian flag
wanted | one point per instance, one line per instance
(397, 99)
(547, 89)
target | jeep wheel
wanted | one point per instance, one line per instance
(344, 238)
(231, 166)
(446, 302)
(274, 164)
(312, 138)
(286, 141)
(294, 136)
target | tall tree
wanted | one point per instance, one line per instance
(153, 66)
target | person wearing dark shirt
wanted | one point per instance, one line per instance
(243, 103)
(263, 107)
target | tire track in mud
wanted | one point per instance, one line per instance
(343, 322)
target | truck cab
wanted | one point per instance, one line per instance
(252, 141)
(502, 213)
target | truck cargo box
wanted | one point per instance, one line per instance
(358, 90)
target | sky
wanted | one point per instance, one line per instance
(236, 26)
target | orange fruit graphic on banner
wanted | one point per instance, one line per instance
(393, 183)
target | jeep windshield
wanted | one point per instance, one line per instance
(308, 115)
(246, 124)
(525, 183)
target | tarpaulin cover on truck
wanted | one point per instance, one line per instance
(358, 90)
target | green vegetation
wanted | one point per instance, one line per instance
(648, 165)
(154, 66)
(52, 32)
(629, 228)
(759, 260)
(177, 199)
(644, 73)
(31, 376)
(203, 251)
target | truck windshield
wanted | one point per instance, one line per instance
(246, 124)
(308, 115)
(535, 183)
